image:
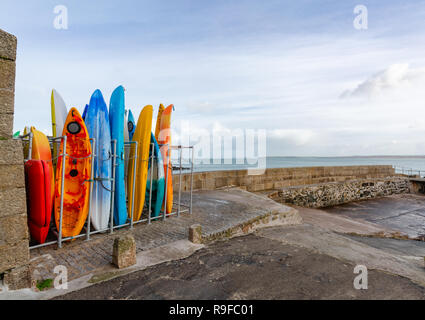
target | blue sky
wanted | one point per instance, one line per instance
(298, 69)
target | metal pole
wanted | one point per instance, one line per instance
(180, 180)
(62, 187)
(93, 155)
(134, 184)
(114, 156)
(191, 182)
(151, 183)
(30, 146)
(166, 188)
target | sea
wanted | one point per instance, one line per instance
(405, 164)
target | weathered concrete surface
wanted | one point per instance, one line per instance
(407, 248)
(221, 213)
(346, 249)
(404, 213)
(342, 224)
(173, 251)
(252, 267)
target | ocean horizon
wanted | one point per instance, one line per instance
(399, 162)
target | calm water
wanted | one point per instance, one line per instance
(417, 163)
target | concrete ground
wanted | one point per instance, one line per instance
(402, 212)
(313, 260)
(217, 211)
(267, 265)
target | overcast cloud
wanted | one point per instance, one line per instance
(297, 69)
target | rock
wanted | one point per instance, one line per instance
(124, 252)
(18, 278)
(195, 233)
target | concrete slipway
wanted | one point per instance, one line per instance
(232, 212)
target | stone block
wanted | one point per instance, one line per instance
(7, 99)
(13, 202)
(13, 228)
(6, 125)
(18, 278)
(7, 74)
(14, 255)
(195, 233)
(12, 176)
(124, 252)
(11, 152)
(220, 182)
(8, 45)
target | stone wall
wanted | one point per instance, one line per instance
(334, 193)
(14, 251)
(280, 177)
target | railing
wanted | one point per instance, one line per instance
(88, 232)
(409, 172)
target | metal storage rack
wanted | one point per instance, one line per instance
(27, 139)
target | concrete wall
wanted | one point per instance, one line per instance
(280, 178)
(14, 252)
(335, 193)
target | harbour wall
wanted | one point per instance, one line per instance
(14, 237)
(335, 193)
(274, 179)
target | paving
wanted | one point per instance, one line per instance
(216, 211)
(253, 267)
(404, 213)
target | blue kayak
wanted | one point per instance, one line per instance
(116, 119)
(131, 124)
(97, 123)
(85, 112)
(158, 179)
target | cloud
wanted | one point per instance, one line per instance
(297, 137)
(392, 78)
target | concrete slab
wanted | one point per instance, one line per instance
(404, 213)
(252, 267)
(346, 249)
(173, 251)
(406, 248)
(343, 224)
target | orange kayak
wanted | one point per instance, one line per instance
(164, 137)
(77, 173)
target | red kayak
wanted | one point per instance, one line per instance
(39, 199)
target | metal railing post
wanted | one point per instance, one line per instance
(151, 183)
(62, 189)
(30, 145)
(166, 188)
(180, 180)
(191, 181)
(93, 155)
(114, 157)
(134, 183)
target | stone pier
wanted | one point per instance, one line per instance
(14, 237)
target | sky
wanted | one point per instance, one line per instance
(299, 70)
